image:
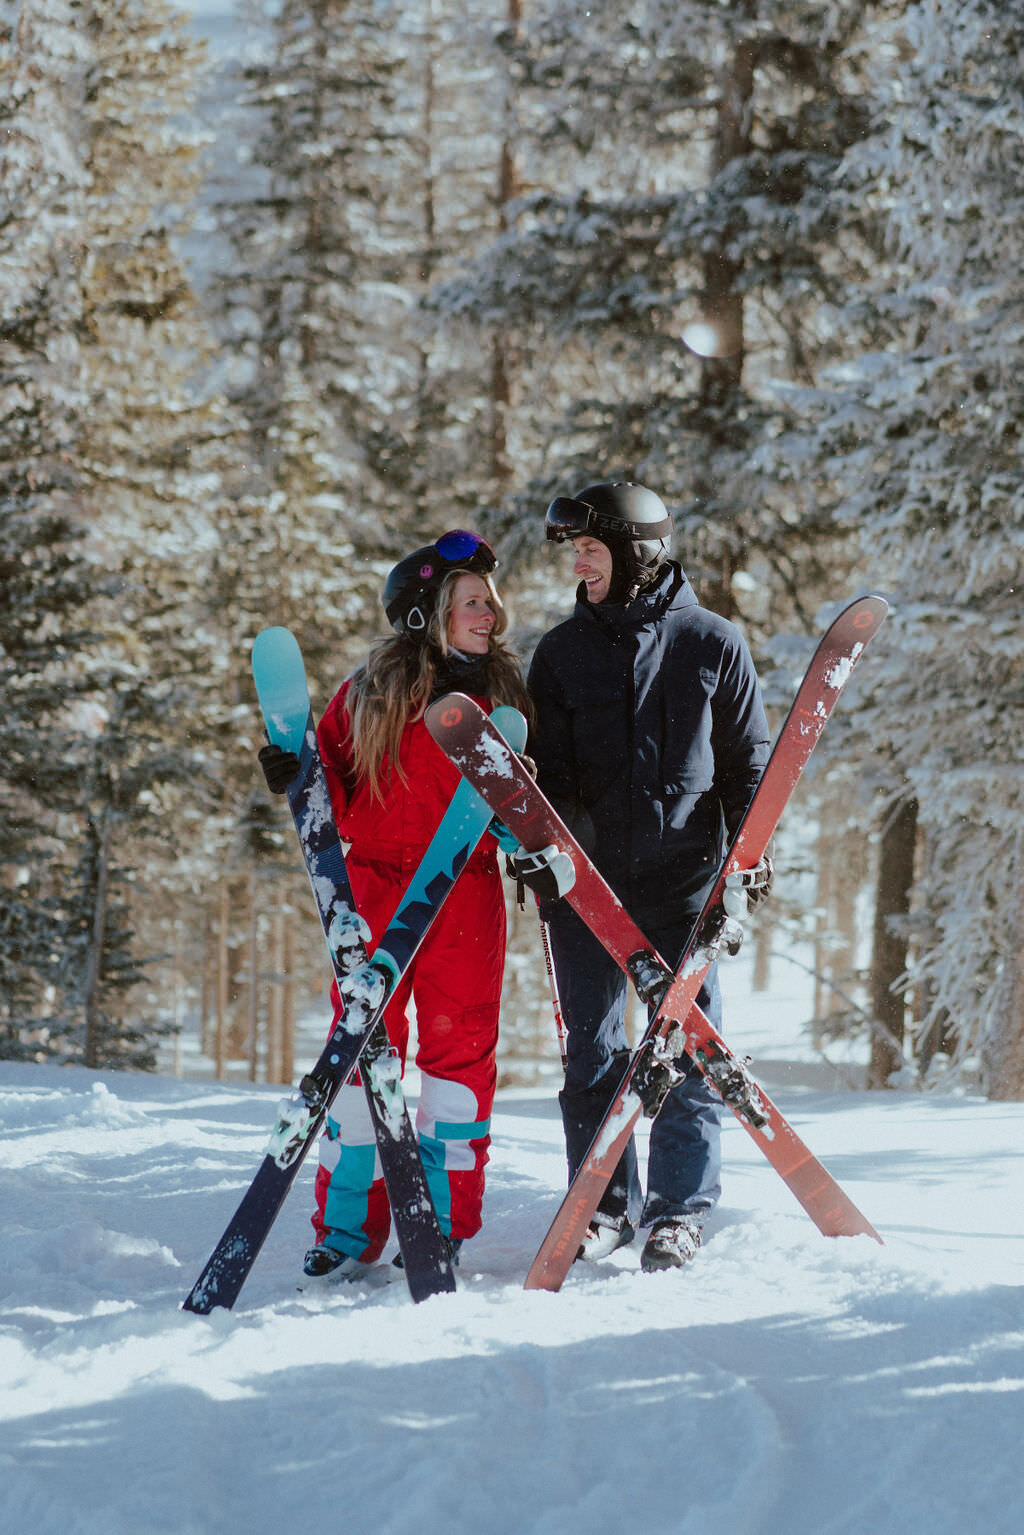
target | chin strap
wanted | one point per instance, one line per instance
(630, 576)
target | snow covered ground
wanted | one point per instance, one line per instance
(783, 1383)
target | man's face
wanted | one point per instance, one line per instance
(593, 566)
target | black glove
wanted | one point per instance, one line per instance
(279, 767)
(549, 873)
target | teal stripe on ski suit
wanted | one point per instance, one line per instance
(346, 1206)
(450, 1131)
(434, 1151)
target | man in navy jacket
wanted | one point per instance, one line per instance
(649, 741)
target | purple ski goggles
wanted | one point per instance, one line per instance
(467, 551)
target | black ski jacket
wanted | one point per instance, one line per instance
(649, 740)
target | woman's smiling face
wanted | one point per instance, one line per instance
(472, 617)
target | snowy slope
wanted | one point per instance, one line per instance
(784, 1383)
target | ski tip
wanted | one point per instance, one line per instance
(865, 614)
(279, 673)
(449, 712)
(453, 709)
(510, 724)
(274, 644)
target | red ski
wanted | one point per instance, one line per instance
(678, 1033)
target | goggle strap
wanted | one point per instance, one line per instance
(569, 518)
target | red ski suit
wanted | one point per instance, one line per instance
(454, 982)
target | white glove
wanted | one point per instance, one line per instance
(549, 873)
(747, 888)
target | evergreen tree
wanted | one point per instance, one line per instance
(44, 582)
(672, 268)
(114, 452)
(666, 287)
(924, 438)
(165, 466)
(367, 155)
(311, 308)
(370, 154)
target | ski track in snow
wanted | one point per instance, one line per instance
(783, 1382)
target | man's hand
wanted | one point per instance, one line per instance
(747, 888)
(549, 873)
(722, 932)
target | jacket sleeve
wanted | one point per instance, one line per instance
(334, 737)
(740, 737)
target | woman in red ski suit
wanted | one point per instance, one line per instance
(448, 619)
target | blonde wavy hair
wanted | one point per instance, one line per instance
(398, 680)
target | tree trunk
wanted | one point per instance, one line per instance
(722, 301)
(940, 1035)
(889, 957)
(761, 978)
(236, 957)
(846, 886)
(508, 191)
(207, 985)
(840, 873)
(94, 970)
(221, 1024)
(278, 980)
(287, 1056)
(1004, 1059)
(820, 1003)
(254, 990)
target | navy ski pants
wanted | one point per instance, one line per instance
(685, 1160)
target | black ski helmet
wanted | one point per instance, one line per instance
(632, 520)
(411, 589)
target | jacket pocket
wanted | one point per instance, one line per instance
(688, 761)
